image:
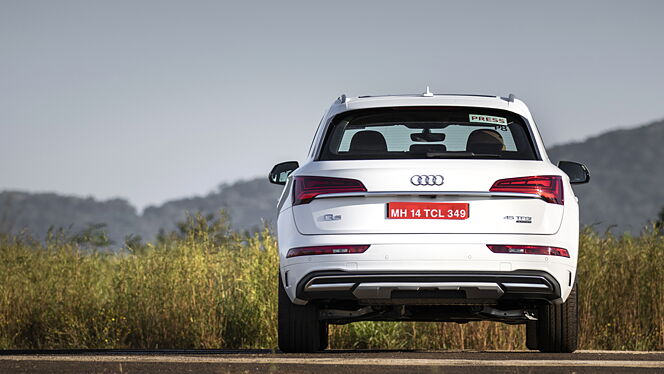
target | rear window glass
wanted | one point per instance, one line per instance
(419, 133)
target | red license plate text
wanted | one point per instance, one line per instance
(427, 210)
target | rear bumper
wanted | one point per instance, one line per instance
(431, 288)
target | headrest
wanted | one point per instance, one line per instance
(485, 141)
(368, 141)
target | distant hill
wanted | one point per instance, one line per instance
(626, 190)
(248, 204)
(626, 186)
(36, 212)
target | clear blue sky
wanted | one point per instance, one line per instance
(153, 100)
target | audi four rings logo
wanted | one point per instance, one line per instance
(427, 180)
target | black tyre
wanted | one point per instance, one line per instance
(324, 331)
(558, 326)
(531, 335)
(299, 329)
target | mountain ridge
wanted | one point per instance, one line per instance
(624, 192)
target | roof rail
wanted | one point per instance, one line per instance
(342, 98)
(510, 98)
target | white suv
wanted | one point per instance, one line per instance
(428, 208)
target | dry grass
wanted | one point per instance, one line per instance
(207, 287)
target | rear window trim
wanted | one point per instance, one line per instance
(328, 132)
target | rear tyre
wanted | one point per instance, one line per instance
(299, 329)
(324, 331)
(531, 335)
(558, 326)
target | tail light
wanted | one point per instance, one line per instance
(307, 188)
(326, 250)
(548, 187)
(529, 250)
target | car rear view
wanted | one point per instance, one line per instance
(428, 208)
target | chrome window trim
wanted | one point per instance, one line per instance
(429, 193)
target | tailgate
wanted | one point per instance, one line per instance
(485, 214)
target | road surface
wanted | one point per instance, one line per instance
(374, 362)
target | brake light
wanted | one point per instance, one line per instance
(549, 187)
(306, 189)
(529, 250)
(326, 250)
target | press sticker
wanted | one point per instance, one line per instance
(481, 118)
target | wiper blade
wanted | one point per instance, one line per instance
(461, 155)
(486, 155)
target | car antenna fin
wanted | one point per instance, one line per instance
(427, 93)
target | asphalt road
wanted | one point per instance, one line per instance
(266, 361)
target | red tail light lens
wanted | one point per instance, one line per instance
(306, 189)
(549, 187)
(529, 250)
(326, 250)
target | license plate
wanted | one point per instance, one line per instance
(427, 210)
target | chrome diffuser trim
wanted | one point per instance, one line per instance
(473, 290)
(526, 285)
(328, 286)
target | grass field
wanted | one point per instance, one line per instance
(207, 287)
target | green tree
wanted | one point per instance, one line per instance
(659, 224)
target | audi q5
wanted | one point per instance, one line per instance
(428, 208)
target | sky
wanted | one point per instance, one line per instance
(156, 100)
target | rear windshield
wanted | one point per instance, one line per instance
(419, 133)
